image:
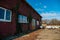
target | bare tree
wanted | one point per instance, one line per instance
(52, 22)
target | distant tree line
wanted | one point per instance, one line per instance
(52, 22)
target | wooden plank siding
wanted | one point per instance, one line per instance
(9, 28)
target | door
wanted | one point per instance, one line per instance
(18, 24)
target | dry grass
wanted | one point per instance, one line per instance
(30, 36)
(45, 34)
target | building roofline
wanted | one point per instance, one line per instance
(32, 8)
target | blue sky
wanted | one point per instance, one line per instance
(48, 9)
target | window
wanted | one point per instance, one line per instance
(1, 13)
(5, 15)
(37, 22)
(33, 22)
(22, 19)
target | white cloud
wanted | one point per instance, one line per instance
(45, 6)
(38, 4)
(39, 9)
(50, 15)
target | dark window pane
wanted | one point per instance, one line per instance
(20, 20)
(2, 13)
(37, 22)
(8, 15)
(24, 19)
(33, 23)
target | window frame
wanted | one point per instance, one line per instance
(5, 10)
(20, 19)
(23, 18)
(37, 22)
(33, 22)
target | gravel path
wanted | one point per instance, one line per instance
(49, 34)
(45, 34)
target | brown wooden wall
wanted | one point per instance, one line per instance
(9, 28)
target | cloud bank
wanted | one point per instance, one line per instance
(50, 15)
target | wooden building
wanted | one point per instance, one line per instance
(17, 17)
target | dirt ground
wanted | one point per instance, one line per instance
(42, 34)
